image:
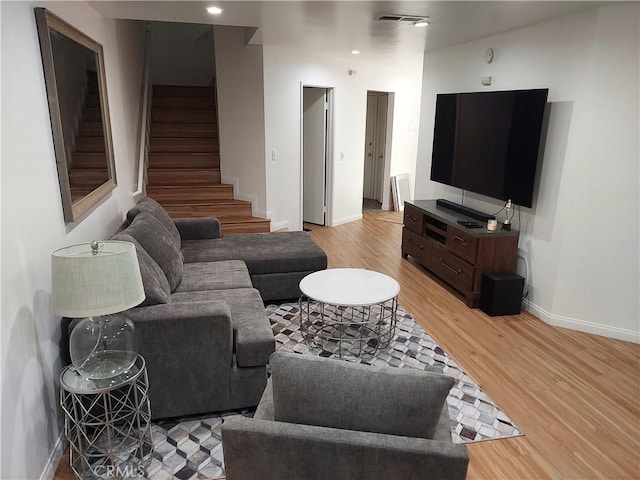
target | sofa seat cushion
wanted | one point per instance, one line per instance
(153, 237)
(278, 252)
(253, 338)
(214, 276)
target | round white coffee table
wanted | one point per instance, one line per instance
(348, 311)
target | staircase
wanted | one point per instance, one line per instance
(183, 173)
(88, 169)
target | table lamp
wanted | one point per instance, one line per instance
(96, 281)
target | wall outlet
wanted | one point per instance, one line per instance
(274, 155)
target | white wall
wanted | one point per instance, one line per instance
(181, 54)
(33, 223)
(581, 239)
(285, 70)
(241, 116)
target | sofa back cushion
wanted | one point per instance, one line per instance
(153, 208)
(154, 281)
(324, 392)
(155, 239)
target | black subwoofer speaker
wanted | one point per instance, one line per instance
(501, 293)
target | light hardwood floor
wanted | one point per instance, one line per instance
(576, 397)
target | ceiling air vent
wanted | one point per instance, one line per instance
(399, 18)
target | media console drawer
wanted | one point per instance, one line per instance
(462, 244)
(413, 219)
(458, 256)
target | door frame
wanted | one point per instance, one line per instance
(387, 203)
(329, 157)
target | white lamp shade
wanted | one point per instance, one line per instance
(87, 284)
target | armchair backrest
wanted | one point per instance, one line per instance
(324, 392)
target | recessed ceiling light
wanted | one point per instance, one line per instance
(355, 52)
(214, 10)
(421, 23)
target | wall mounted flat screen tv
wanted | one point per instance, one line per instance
(487, 142)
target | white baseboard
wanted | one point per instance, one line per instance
(343, 220)
(54, 459)
(238, 195)
(279, 225)
(262, 214)
(582, 325)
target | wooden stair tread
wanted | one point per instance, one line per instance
(184, 160)
(183, 145)
(182, 91)
(194, 188)
(183, 130)
(185, 169)
(205, 203)
(184, 116)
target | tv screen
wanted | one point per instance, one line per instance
(487, 142)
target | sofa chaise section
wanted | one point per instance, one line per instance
(276, 261)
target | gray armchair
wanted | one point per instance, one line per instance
(320, 418)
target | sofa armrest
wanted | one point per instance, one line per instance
(203, 228)
(188, 348)
(286, 450)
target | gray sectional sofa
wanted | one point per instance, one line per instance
(203, 328)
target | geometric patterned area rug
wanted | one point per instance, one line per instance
(191, 448)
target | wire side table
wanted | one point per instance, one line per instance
(348, 312)
(108, 423)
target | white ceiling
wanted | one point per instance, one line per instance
(338, 27)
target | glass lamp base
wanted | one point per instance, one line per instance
(103, 347)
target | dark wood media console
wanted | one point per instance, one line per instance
(455, 254)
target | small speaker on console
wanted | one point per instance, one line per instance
(501, 293)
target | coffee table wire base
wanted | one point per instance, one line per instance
(348, 331)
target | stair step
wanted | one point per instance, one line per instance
(180, 116)
(91, 129)
(202, 193)
(89, 144)
(168, 130)
(184, 103)
(220, 209)
(182, 91)
(92, 100)
(87, 177)
(252, 225)
(89, 160)
(184, 160)
(77, 193)
(182, 176)
(91, 114)
(183, 145)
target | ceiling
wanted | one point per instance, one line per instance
(336, 28)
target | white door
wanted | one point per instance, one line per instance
(375, 145)
(369, 145)
(381, 138)
(314, 149)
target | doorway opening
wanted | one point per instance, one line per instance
(376, 152)
(316, 139)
